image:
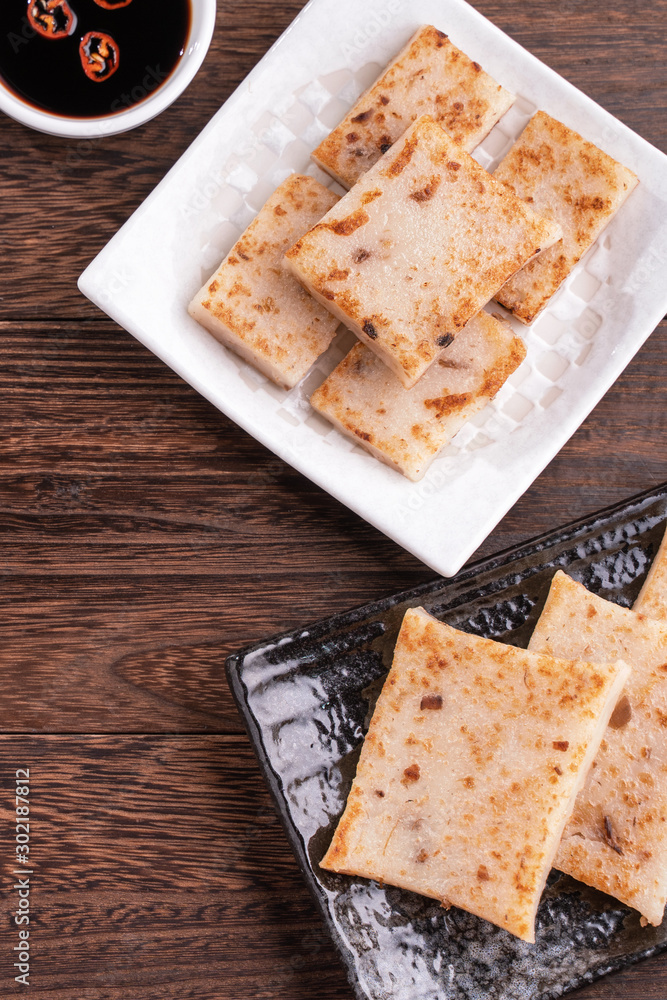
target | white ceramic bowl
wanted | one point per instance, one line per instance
(196, 47)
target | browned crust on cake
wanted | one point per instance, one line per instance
(461, 791)
(253, 305)
(570, 180)
(407, 428)
(429, 76)
(407, 300)
(616, 839)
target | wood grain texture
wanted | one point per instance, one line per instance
(154, 860)
(144, 537)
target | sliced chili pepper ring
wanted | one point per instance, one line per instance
(111, 5)
(52, 18)
(99, 55)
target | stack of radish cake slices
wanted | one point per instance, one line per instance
(616, 839)
(485, 765)
(411, 254)
(417, 247)
(472, 762)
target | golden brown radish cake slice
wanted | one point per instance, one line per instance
(406, 428)
(616, 840)
(430, 76)
(417, 247)
(473, 758)
(571, 181)
(254, 305)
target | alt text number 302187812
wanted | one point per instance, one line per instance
(23, 871)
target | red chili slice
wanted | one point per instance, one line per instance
(99, 55)
(51, 18)
(111, 5)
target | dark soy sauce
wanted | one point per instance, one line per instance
(47, 73)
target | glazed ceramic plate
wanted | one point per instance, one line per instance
(147, 274)
(306, 698)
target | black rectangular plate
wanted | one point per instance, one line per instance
(305, 698)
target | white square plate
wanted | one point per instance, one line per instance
(147, 274)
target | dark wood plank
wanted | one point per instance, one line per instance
(159, 867)
(145, 537)
(606, 50)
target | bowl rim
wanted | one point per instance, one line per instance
(202, 25)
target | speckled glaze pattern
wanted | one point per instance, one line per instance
(306, 699)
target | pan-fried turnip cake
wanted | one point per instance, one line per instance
(406, 428)
(616, 840)
(567, 179)
(429, 76)
(472, 762)
(254, 305)
(418, 246)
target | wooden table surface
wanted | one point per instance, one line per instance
(145, 537)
